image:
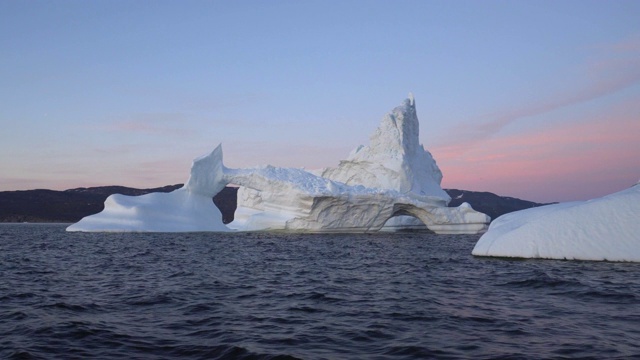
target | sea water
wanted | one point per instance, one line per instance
(315, 296)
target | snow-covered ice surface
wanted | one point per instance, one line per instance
(394, 176)
(606, 228)
(187, 209)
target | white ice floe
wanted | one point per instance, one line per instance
(393, 176)
(606, 228)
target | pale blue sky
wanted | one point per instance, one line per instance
(128, 92)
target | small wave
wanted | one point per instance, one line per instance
(68, 330)
(148, 301)
(21, 355)
(320, 296)
(196, 309)
(140, 254)
(479, 319)
(414, 352)
(543, 280)
(611, 296)
(220, 352)
(378, 334)
(14, 316)
(413, 317)
(180, 274)
(18, 296)
(306, 309)
(71, 307)
(247, 296)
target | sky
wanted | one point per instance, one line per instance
(538, 100)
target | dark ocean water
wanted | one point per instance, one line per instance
(284, 296)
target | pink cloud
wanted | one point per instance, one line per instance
(568, 161)
(628, 45)
(579, 158)
(614, 68)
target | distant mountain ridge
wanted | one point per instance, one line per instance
(489, 203)
(72, 205)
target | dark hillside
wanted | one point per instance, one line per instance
(74, 204)
(489, 203)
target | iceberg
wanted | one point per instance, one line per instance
(394, 177)
(605, 229)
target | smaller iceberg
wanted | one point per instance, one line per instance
(605, 229)
(187, 209)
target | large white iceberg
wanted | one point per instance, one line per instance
(606, 228)
(393, 177)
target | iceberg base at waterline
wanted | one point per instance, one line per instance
(177, 211)
(604, 229)
(187, 209)
(296, 200)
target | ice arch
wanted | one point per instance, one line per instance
(297, 200)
